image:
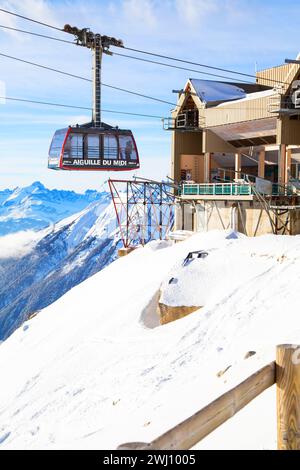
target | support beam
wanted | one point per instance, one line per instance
(237, 165)
(288, 165)
(176, 157)
(261, 163)
(207, 167)
(281, 164)
(288, 396)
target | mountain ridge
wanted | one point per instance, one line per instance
(35, 207)
(62, 257)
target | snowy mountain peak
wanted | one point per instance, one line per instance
(37, 185)
(35, 207)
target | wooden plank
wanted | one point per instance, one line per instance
(188, 433)
(288, 397)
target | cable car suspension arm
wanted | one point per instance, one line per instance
(99, 45)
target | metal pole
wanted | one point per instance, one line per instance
(127, 213)
(97, 60)
(146, 186)
(160, 212)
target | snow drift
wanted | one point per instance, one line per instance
(87, 373)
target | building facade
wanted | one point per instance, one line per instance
(236, 153)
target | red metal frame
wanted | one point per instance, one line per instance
(111, 186)
(144, 212)
(63, 149)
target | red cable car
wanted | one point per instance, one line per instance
(94, 146)
(89, 148)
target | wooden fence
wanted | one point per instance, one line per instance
(284, 372)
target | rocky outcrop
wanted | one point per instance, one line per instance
(169, 313)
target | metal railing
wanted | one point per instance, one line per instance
(231, 189)
(188, 120)
(283, 105)
(283, 190)
(216, 189)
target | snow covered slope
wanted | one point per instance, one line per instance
(36, 268)
(36, 207)
(87, 373)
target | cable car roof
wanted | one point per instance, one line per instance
(89, 128)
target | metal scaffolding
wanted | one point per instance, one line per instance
(144, 209)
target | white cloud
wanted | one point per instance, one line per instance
(28, 119)
(40, 10)
(194, 11)
(2, 92)
(18, 244)
(164, 138)
(140, 13)
(5, 19)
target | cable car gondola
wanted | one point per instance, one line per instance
(93, 148)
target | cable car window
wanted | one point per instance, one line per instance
(57, 143)
(76, 145)
(110, 146)
(127, 148)
(88, 148)
(92, 146)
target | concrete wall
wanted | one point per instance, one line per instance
(248, 110)
(246, 217)
(194, 164)
(288, 131)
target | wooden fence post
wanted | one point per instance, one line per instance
(288, 396)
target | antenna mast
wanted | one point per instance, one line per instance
(99, 45)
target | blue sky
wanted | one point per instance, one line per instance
(236, 34)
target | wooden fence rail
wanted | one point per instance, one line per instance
(285, 372)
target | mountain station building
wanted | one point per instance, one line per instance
(236, 153)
